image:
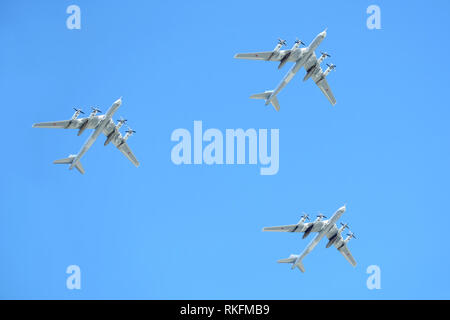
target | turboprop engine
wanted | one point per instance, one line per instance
(281, 43)
(276, 50)
(323, 56)
(329, 69)
(94, 111)
(77, 113)
(128, 134)
(349, 236)
(305, 217)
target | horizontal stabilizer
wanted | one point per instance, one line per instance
(300, 266)
(275, 103)
(288, 260)
(79, 167)
(264, 95)
(65, 160)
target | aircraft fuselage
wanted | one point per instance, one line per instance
(326, 227)
(103, 121)
(300, 56)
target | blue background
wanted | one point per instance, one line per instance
(163, 231)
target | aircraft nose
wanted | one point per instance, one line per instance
(118, 101)
(324, 33)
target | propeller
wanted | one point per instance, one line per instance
(130, 131)
(324, 54)
(331, 66)
(78, 110)
(345, 225)
(305, 216)
(320, 215)
(122, 120)
(95, 109)
(351, 235)
(282, 42)
(300, 42)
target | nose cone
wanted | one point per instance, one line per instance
(323, 34)
(343, 208)
(118, 101)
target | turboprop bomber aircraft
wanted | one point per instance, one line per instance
(100, 123)
(323, 228)
(303, 57)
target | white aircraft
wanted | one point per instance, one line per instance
(102, 123)
(303, 57)
(323, 228)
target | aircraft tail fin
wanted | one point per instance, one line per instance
(267, 95)
(293, 259)
(69, 160)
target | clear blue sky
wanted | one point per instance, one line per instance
(163, 231)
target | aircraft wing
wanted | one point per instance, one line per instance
(288, 228)
(68, 124)
(120, 144)
(347, 255)
(325, 88)
(266, 55)
(342, 248)
(320, 81)
(125, 149)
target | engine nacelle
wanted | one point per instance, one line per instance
(281, 43)
(277, 48)
(329, 69)
(331, 241)
(119, 125)
(110, 137)
(94, 112)
(284, 60)
(128, 135)
(308, 231)
(77, 113)
(310, 72)
(83, 127)
(323, 57)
